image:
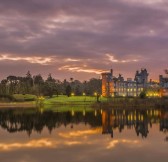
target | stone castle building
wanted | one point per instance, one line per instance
(163, 82)
(117, 86)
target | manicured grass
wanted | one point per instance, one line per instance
(56, 103)
(73, 104)
(24, 97)
(73, 100)
(20, 100)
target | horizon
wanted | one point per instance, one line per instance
(98, 76)
(81, 39)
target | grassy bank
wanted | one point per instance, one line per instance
(24, 97)
(18, 104)
(79, 102)
(73, 100)
(18, 100)
(51, 103)
(134, 103)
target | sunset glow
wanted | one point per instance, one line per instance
(59, 37)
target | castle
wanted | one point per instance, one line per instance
(117, 86)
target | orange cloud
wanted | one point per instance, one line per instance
(80, 69)
(33, 60)
(112, 59)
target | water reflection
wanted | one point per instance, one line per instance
(105, 120)
(30, 144)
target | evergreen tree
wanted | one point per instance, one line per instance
(68, 90)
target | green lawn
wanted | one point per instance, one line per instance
(61, 99)
(60, 103)
(24, 97)
(73, 100)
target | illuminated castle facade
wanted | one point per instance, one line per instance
(163, 82)
(117, 86)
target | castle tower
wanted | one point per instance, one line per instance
(107, 84)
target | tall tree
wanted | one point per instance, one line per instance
(12, 80)
(38, 84)
(50, 86)
(28, 82)
(4, 87)
(92, 86)
(68, 90)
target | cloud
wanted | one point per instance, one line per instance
(71, 60)
(33, 60)
(77, 31)
(112, 59)
(82, 69)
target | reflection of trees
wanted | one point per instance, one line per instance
(141, 124)
(142, 128)
(166, 139)
(34, 120)
(164, 122)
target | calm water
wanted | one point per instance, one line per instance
(84, 136)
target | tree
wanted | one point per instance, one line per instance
(92, 86)
(142, 95)
(68, 90)
(71, 80)
(38, 84)
(50, 78)
(48, 89)
(4, 87)
(28, 80)
(49, 86)
(12, 80)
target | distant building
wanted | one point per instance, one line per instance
(128, 88)
(153, 89)
(117, 86)
(107, 84)
(163, 82)
(141, 77)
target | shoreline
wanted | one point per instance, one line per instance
(17, 105)
(111, 103)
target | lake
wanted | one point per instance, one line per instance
(83, 135)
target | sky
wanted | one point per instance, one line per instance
(83, 38)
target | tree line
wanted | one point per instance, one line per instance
(38, 86)
(36, 121)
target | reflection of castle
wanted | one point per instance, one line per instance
(140, 120)
(164, 122)
(108, 119)
(107, 122)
